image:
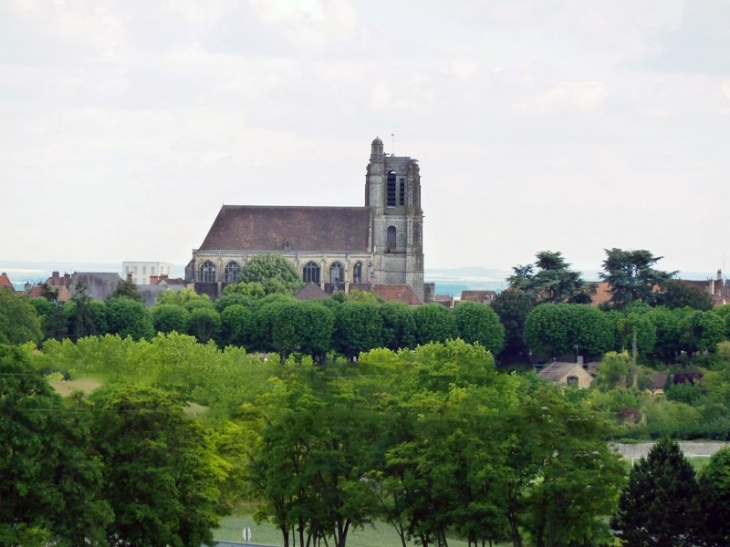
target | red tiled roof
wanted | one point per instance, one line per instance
(62, 292)
(311, 291)
(5, 282)
(259, 228)
(397, 293)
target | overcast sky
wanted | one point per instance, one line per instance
(561, 125)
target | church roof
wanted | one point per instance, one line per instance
(5, 282)
(269, 228)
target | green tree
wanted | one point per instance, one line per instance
(86, 317)
(50, 480)
(358, 328)
(700, 331)
(19, 322)
(660, 505)
(399, 327)
(318, 329)
(560, 329)
(667, 325)
(478, 323)
(678, 295)
(204, 323)
(128, 317)
(128, 289)
(275, 273)
(181, 297)
(551, 280)
(162, 476)
(512, 307)
(632, 278)
(715, 499)
(169, 317)
(236, 326)
(434, 323)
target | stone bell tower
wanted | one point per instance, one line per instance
(393, 193)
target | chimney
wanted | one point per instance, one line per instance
(579, 359)
(154, 279)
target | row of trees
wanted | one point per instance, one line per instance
(276, 322)
(669, 317)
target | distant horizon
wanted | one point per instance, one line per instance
(457, 278)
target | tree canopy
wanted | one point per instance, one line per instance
(274, 272)
(632, 277)
(550, 280)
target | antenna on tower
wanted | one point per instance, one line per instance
(392, 146)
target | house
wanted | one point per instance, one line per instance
(570, 374)
(483, 297)
(397, 293)
(143, 272)
(337, 248)
(97, 285)
(657, 381)
(5, 282)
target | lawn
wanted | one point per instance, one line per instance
(378, 535)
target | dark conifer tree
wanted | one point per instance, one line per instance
(660, 505)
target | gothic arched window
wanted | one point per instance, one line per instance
(390, 242)
(357, 273)
(311, 273)
(207, 272)
(230, 274)
(337, 273)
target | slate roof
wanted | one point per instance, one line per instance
(268, 228)
(5, 282)
(556, 371)
(397, 293)
(99, 285)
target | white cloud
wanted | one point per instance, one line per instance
(580, 96)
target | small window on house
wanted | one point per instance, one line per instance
(572, 381)
(337, 273)
(152, 271)
(357, 273)
(230, 274)
(144, 270)
(391, 190)
(390, 243)
(287, 245)
(402, 192)
(311, 273)
(207, 272)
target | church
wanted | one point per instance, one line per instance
(336, 248)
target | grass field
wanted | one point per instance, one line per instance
(379, 535)
(66, 387)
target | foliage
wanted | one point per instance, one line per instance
(204, 323)
(19, 322)
(512, 308)
(161, 472)
(632, 278)
(660, 505)
(715, 499)
(478, 323)
(275, 273)
(236, 326)
(399, 327)
(128, 317)
(181, 297)
(167, 318)
(679, 295)
(635, 329)
(51, 482)
(128, 289)
(554, 282)
(701, 331)
(358, 328)
(434, 323)
(558, 329)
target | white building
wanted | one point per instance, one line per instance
(141, 271)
